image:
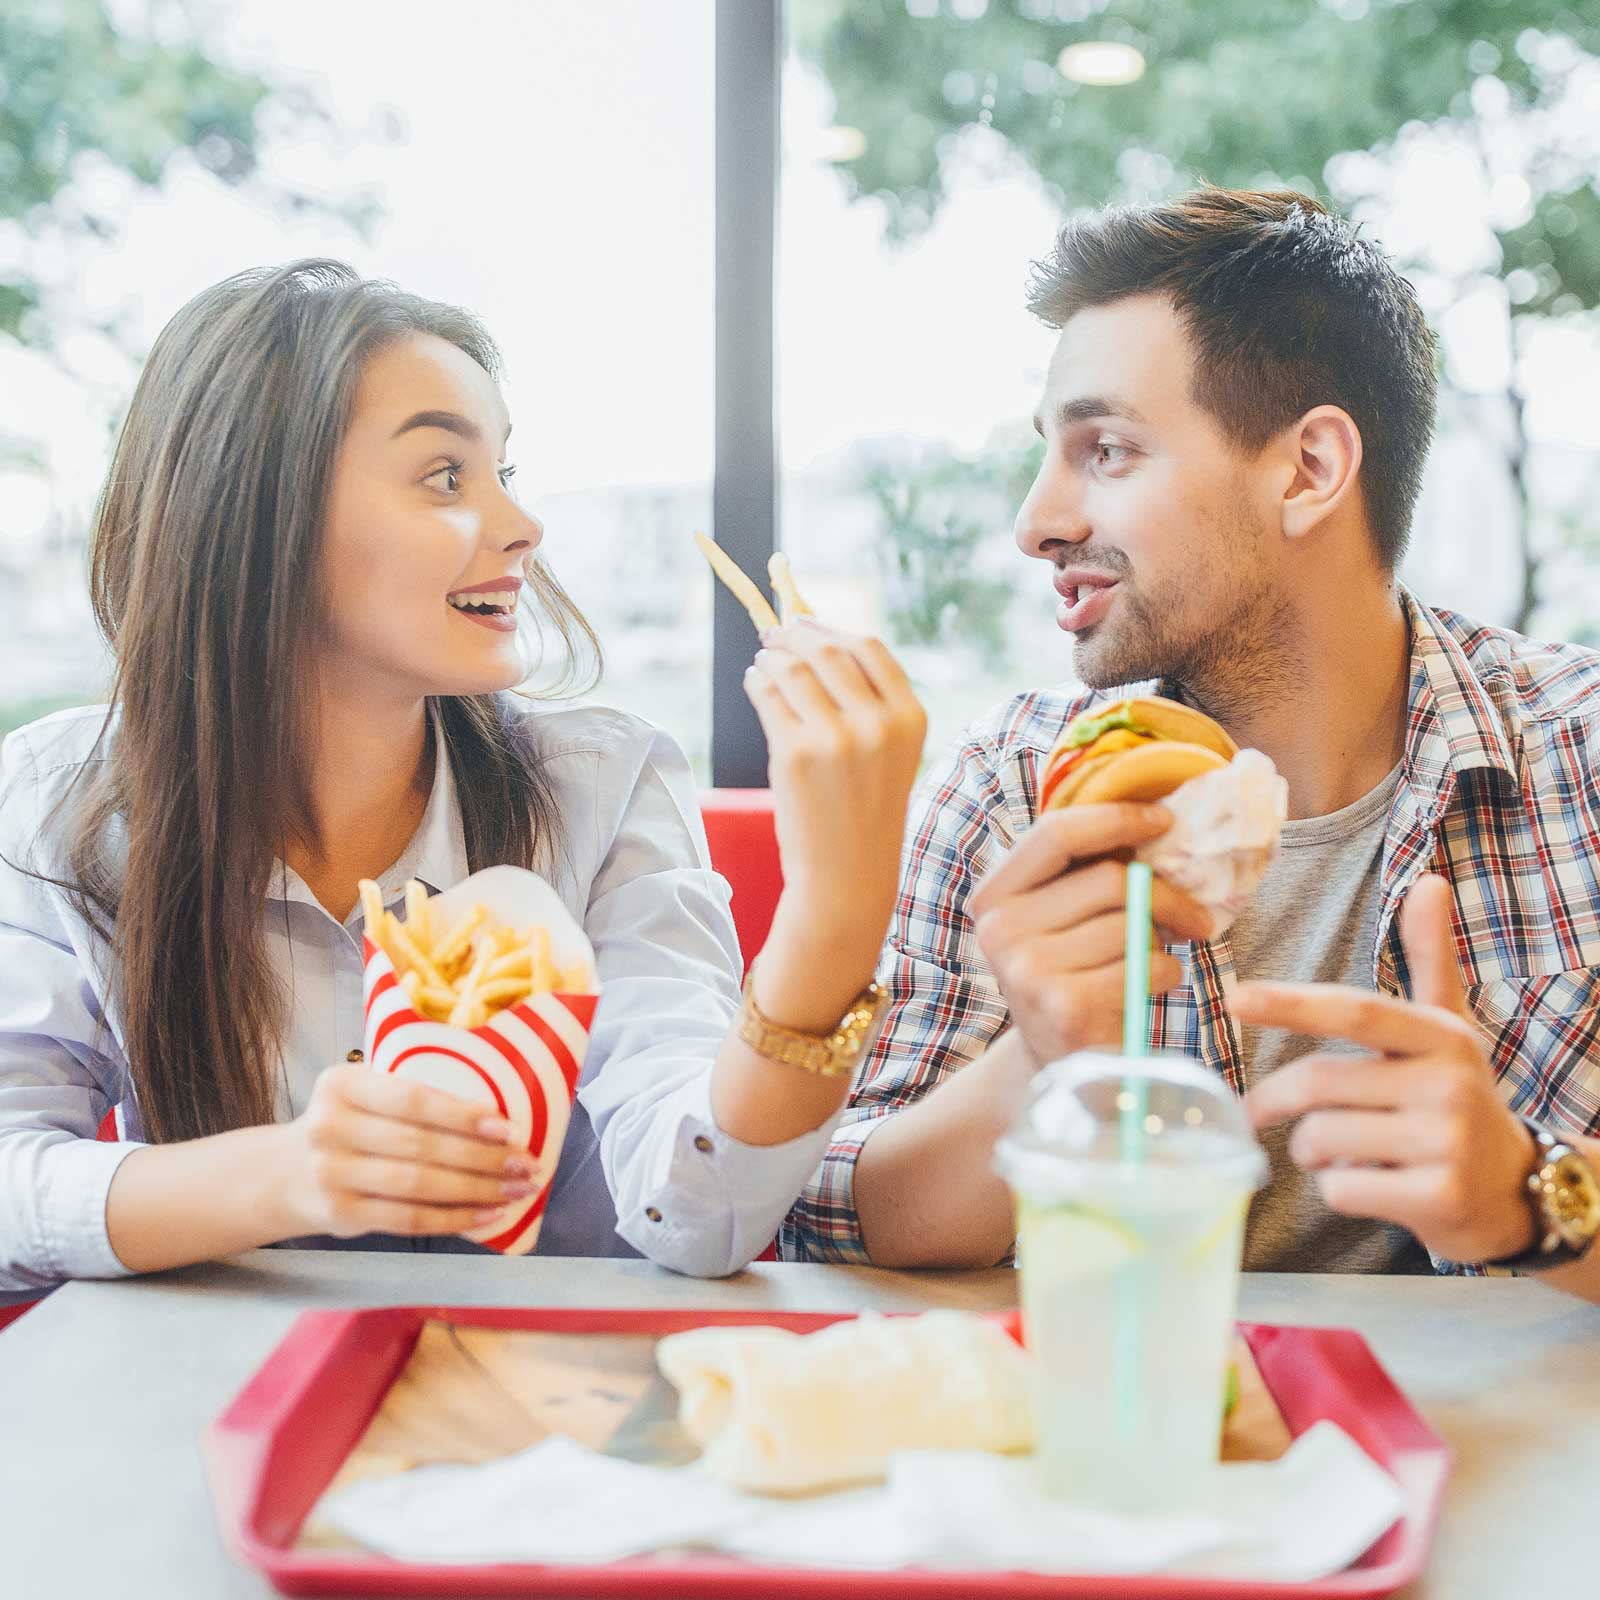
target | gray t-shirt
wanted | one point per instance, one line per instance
(1314, 919)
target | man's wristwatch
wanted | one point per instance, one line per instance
(829, 1055)
(1564, 1196)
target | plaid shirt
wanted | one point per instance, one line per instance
(1498, 792)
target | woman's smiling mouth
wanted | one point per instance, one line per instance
(492, 603)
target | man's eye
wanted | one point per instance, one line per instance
(447, 480)
(1109, 454)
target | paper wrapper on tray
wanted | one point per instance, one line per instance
(1224, 834)
(523, 1063)
(783, 1413)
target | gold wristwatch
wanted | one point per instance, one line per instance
(829, 1055)
(1563, 1192)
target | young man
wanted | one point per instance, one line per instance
(1236, 417)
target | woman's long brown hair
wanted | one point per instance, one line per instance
(206, 546)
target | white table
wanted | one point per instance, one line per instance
(105, 1388)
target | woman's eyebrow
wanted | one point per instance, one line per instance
(449, 421)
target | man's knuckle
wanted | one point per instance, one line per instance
(1337, 1185)
(1307, 1142)
(994, 925)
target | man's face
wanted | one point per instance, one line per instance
(1163, 535)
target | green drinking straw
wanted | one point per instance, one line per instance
(1133, 1106)
(1136, 1009)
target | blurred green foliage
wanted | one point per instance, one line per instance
(80, 85)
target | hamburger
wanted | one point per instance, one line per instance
(1142, 748)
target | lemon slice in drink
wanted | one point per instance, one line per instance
(1072, 1242)
(1221, 1230)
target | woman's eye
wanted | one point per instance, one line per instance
(447, 480)
(507, 473)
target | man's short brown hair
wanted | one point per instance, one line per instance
(1287, 308)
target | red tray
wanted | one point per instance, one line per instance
(274, 1450)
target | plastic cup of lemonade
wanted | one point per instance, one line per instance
(1129, 1253)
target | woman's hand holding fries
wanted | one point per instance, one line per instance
(375, 1154)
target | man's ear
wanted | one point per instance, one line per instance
(1324, 454)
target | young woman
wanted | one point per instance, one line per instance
(308, 503)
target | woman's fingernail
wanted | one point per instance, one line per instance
(489, 1214)
(495, 1128)
(516, 1189)
(518, 1167)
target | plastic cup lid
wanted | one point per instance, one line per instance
(1069, 1132)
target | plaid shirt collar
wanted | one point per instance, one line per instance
(1452, 724)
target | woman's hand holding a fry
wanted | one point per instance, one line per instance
(844, 736)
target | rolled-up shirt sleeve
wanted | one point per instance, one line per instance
(687, 1195)
(60, 1069)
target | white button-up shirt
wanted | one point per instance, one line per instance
(645, 1170)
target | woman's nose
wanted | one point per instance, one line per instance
(527, 533)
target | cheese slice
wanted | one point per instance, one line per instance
(786, 1413)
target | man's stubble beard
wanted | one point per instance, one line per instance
(1227, 641)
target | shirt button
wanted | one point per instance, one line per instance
(355, 1055)
(652, 1213)
(702, 1144)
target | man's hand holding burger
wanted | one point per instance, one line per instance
(1051, 919)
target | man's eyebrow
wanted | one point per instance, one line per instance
(1086, 408)
(449, 421)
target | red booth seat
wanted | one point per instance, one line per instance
(744, 849)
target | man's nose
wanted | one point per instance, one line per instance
(1052, 514)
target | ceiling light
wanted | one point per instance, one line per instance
(840, 143)
(1101, 61)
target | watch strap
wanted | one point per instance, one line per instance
(835, 1054)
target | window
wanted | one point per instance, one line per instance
(931, 148)
(548, 166)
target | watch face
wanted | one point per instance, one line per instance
(1572, 1200)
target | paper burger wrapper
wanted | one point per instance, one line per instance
(1224, 834)
(522, 1064)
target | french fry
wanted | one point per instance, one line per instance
(458, 941)
(505, 991)
(372, 909)
(467, 1004)
(515, 964)
(539, 953)
(415, 959)
(791, 603)
(417, 914)
(744, 591)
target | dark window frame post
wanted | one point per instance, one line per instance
(744, 493)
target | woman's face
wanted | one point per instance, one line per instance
(424, 544)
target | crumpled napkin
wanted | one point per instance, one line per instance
(1296, 1519)
(1224, 834)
